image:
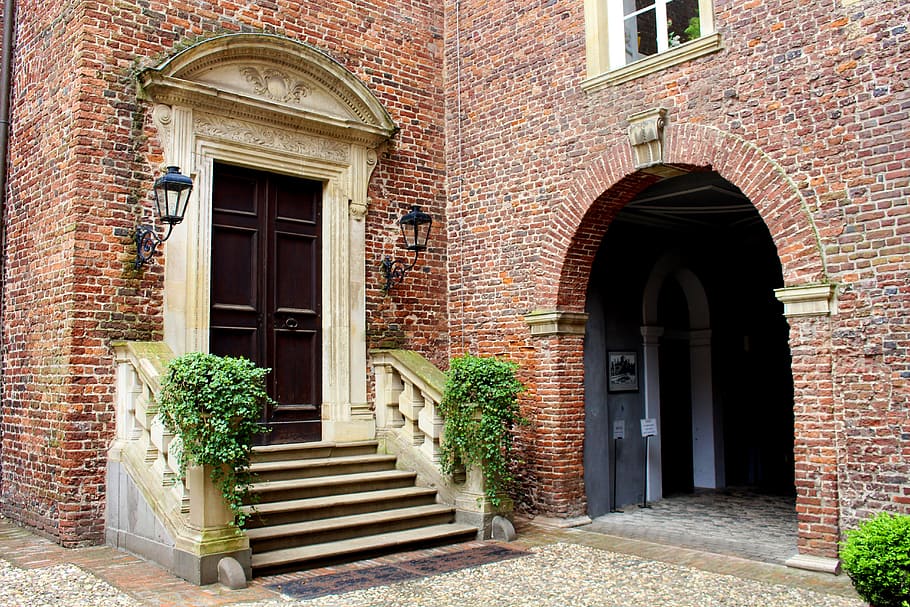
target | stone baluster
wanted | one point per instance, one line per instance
(388, 390)
(410, 402)
(431, 425)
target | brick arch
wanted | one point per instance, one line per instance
(611, 181)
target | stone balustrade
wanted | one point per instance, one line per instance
(181, 523)
(409, 424)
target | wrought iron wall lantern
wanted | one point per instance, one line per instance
(415, 228)
(172, 192)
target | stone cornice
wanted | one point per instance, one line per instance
(808, 300)
(553, 322)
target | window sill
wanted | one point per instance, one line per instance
(680, 54)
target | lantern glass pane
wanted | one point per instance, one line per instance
(172, 192)
(415, 229)
(173, 202)
(423, 234)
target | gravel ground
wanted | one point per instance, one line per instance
(58, 586)
(563, 575)
(571, 575)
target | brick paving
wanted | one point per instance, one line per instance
(145, 582)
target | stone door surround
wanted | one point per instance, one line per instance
(274, 104)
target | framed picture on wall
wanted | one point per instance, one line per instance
(622, 371)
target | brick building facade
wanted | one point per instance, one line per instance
(524, 135)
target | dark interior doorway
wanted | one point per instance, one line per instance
(719, 238)
(266, 290)
(676, 392)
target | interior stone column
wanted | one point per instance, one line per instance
(651, 385)
(704, 460)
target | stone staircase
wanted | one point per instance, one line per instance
(324, 503)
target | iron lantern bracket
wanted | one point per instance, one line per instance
(147, 241)
(394, 271)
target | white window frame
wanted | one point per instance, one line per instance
(605, 43)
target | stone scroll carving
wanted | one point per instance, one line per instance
(646, 134)
(161, 116)
(270, 137)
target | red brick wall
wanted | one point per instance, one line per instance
(83, 157)
(805, 109)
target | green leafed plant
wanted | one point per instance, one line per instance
(693, 30)
(480, 406)
(214, 404)
(876, 556)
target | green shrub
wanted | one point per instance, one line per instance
(214, 404)
(876, 556)
(480, 406)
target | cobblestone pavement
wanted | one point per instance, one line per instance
(567, 567)
(734, 521)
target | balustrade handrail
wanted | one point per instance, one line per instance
(410, 424)
(143, 445)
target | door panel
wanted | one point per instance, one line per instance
(266, 289)
(235, 275)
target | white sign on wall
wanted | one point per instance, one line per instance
(648, 427)
(619, 429)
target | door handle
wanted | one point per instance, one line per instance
(290, 323)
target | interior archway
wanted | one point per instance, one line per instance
(685, 278)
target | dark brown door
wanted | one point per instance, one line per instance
(266, 290)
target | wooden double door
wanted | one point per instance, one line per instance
(266, 290)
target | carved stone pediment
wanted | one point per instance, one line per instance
(272, 80)
(282, 86)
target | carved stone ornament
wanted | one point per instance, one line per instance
(270, 137)
(646, 134)
(358, 210)
(161, 117)
(274, 84)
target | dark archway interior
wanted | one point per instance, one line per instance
(675, 390)
(717, 234)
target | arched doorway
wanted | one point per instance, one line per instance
(685, 280)
(608, 183)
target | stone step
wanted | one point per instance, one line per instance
(296, 451)
(277, 537)
(290, 489)
(362, 547)
(315, 508)
(320, 466)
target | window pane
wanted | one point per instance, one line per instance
(682, 21)
(641, 34)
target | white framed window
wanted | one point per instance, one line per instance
(648, 27)
(627, 39)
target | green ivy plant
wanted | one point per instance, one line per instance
(214, 404)
(876, 556)
(480, 407)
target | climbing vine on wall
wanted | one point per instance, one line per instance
(480, 407)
